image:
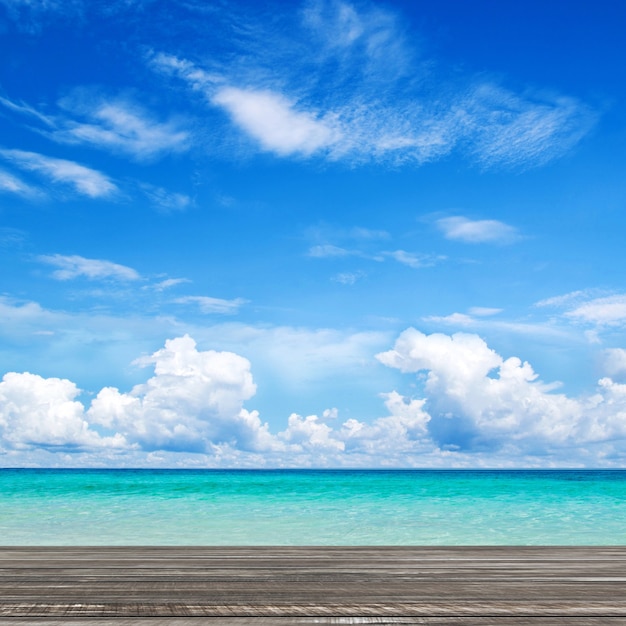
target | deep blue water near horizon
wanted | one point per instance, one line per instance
(312, 507)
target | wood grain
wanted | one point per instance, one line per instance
(233, 586)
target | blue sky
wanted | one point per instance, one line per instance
(312, 234)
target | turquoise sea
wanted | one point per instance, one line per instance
(310, 507)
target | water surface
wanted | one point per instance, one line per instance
(311, 507)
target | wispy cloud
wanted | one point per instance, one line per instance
(566, 299)
(329, 250)
(213, 305)
(589, 306)
(30, 16)
(12, 184)
(461, 228)
(107, 123)
(483, 311)
(86, 181)
(348, 278)
(168, 283)
(608, 311)
(521, 129)
(24, 109)
(454, 319)
(416, 261)
(346, 84)
(119, 126)
(74, 266)
(363, 238)
(367, 234)
(166, 201)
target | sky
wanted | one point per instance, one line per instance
(312, 234)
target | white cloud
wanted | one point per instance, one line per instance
(31, 15)
(193, 401)
(26, 110)
(607, 311)
(483, 311)
(165, 200)
(348, 278)
(120, 126)
(309, 434)
(346, 83)
(416, 261)
(213, 305)
(170, 282)
(515, 129)
(477, 407)
(478, 400)
(565, 299)
(75, 266)
(476, 231)
(368, 233)
(275, 122)
(198, 79)
(12, 184)
(44, 413)
(328, 250)
(464, 319)
(615, 362)
(300, 358)
(86, 181)
(454, 319)
(404, 433)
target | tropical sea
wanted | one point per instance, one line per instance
(312, 507)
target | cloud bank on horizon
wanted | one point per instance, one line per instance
(299, 189)
(477, 407)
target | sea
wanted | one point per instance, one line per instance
(46, 507)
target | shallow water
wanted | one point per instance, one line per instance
(310, 507)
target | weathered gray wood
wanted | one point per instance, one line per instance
(582, 586)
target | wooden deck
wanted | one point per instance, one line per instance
(186, 586)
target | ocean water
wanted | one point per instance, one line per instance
(310, 507)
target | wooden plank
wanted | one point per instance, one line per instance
(318, 585)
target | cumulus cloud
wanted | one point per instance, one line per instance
(478, 400)
(310, 434)
(44, 413)
(194, 400)
(615, 362)
(476, 407)
(461, 228)
(75, 266)
(403, 433)
(86, 181)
